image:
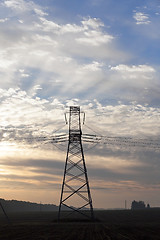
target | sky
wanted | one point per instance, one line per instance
(101, 55)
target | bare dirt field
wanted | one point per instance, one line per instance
(109, 225)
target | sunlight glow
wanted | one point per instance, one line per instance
(7, 147)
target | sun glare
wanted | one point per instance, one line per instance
(6, 148)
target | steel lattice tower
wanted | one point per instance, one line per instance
(75, 193)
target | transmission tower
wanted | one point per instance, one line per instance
(75, 193)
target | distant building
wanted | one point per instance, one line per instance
(138, 205)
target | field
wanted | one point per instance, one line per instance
(109, 225)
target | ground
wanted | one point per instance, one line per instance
(109, 225)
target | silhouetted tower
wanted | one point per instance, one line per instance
(75, 194)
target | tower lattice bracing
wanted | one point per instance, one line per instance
(75, 194)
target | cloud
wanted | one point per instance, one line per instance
(140, 68)
(55, 56)
(131, 75)
(141, 18)
(146, 18)
(3, 20)
(124, 171)
(37, 173)
(21, 7)
(94, 38)
(94, 23)
(34, 117)
(24, 113)
(40, 49)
